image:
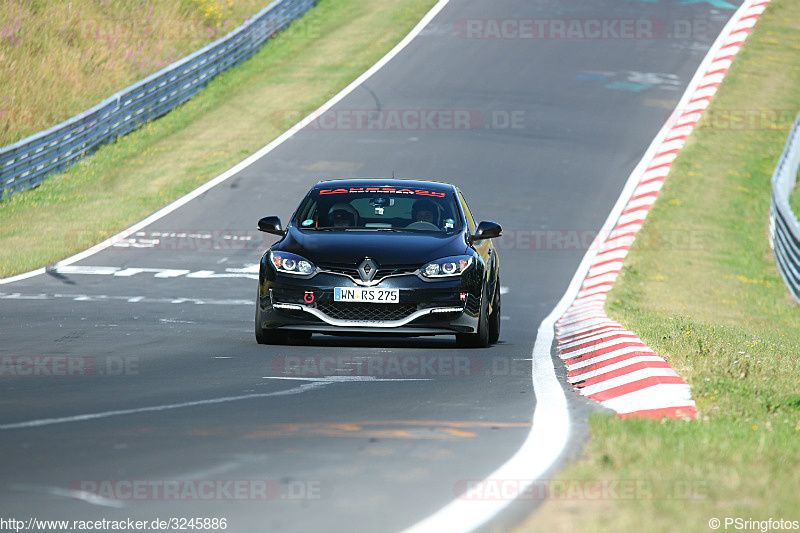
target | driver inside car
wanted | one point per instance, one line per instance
(425, 211)
(342, 215)
(342, 219)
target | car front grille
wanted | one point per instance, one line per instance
(352, 272)
(359, 312)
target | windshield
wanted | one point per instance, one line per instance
(379, 208)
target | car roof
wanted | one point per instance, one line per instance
(383, 182)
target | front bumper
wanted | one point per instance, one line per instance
(424, 308)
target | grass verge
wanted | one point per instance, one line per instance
(58, 58)
(701, 288)
(122, 182)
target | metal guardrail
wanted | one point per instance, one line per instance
(784, 229)
(27, 163)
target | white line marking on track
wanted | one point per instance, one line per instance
(312, 383)
(126, 299)
(248, 272)
(157, 408)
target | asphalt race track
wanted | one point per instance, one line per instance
(157, 379)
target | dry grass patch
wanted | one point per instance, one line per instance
(58, 59)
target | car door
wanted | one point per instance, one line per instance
(484, 247)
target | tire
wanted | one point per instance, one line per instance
(494, 317)
(267, 336)
(481, 338)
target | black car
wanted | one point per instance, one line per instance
(370, 256)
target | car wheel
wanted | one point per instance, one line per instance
(494, 317)
(481, 338)
(267, 336)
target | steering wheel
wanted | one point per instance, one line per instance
(423, 225)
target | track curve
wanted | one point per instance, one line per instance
(168, 383)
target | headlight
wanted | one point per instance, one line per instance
(446, 267)
(287, 263)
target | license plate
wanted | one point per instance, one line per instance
(370, 296)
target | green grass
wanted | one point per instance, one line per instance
(123, 182)
(702, 289)
(58, 58)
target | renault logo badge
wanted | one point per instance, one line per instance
(367, 269)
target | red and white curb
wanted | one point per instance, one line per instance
(605, 362)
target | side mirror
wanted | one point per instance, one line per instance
(271, 225)
(486, 230)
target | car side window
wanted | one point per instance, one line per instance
(308, 214)
(467, 213)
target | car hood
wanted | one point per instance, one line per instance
(385, 247)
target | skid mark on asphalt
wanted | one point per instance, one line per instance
(370, 429)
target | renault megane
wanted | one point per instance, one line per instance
(376, 256)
